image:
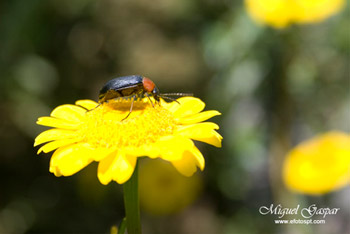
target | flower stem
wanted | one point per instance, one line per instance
(122, 227)
(131, 202)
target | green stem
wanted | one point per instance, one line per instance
(122, 227)
(131, 202)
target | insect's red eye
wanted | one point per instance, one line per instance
(148, 85)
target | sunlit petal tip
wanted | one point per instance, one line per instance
(103, 172)
(70, 159)
(124, 170)
(199, 117)
(188, 106)
(54, 134)
(55, 171)
(198, 157)
(87, 104)
(39, 151)
(212, 113)
(204, 132)
(117, 167)
(36, 143)
(103, 180)
(57, 123)
(216, 140)
(56, 144)
(69, 112)
(40, 119)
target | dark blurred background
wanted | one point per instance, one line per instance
(274, 89)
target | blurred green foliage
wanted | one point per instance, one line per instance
(273, 87)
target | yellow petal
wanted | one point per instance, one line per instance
(56, 144)
(319, 165)
(188, 106)
(171, 106)
(150, 150)
(187, 164)
(199, 117)
(105, 169)
(200, 162)
(116, 166)
(57, 123)
(204, 132)
(87, 104)
(55, 171)
(315, 11)
(69, 112)
(125, 169)
(70, 159)
(277, 13)
(280, 13)
(54, 134)
(172, 147)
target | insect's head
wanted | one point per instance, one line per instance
(156, 93)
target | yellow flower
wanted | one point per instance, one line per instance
(163, 190)
(281, 13)
(80, 137)
(319, 165)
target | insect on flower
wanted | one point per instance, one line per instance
(167, 130)
(133, 87)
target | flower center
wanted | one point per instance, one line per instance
(105, 127)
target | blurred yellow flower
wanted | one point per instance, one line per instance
(319, 165)
(281, 13)
(80, 137)
(163, 190)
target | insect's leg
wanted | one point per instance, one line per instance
(149, 99)
(116, 99)
(132, 104)
(99, 104)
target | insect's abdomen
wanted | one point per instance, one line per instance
(121, 87)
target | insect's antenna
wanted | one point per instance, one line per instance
(168, 98)
(176, 94)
